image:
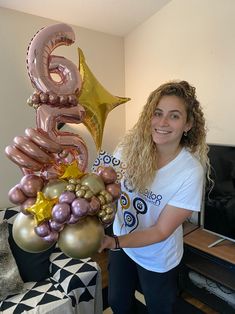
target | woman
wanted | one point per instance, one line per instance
(166, 158)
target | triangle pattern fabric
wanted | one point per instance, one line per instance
(71, 287)
(86, 296)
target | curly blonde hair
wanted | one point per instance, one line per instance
(139, 151)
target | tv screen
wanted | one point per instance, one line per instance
(219, 206)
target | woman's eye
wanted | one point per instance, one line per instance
(174, 116)
(157, 114)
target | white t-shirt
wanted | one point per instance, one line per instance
(180, 184)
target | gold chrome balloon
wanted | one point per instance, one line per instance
(96, 100)
(25, 236)
(94, 182)
(54, 188)
(83, 239)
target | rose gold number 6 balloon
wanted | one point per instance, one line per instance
(39, 60)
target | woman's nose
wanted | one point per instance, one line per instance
(163, 121)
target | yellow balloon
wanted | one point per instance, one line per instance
(41, 209)
(54, 188)
(25, 237)
(97, 101)
(94, 182)
(83, 239)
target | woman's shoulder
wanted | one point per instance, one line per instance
(190, 160)
(118, 153)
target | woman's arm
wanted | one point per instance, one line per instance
(169, 220)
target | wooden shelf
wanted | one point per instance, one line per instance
(210, 269)
(188, 227)
(205, 265)
(200, 239)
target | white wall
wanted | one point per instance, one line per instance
(192, 40)
(104, 56)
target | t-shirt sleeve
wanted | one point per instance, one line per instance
(189, 195)
(117, 153)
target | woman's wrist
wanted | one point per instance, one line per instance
(117, 244)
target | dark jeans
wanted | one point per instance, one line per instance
(159, 289)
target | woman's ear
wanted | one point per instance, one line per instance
(188, 126)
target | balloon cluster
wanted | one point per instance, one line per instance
(59, 201)
(58, 204)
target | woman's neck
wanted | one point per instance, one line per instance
(167, 155)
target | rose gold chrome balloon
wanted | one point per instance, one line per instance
(108, 174)
(21, 159)
(29, 148)
(16, 195)
(41, 138)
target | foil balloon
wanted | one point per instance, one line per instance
(82, 239)
(39, 59)
(41, 209)
(48, 118)
(58, 200)
(56, 101)
(98, 102)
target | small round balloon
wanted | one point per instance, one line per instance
(94, 182)
(54, 188)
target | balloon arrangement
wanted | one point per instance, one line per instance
(59, 201)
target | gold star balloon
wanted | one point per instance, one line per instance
(41, 210)
(97, 101)
(71, 171)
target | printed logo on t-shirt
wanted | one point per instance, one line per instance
(152, 197)
(124, 200)
(136, 204)
(127, 186)
(131, 218)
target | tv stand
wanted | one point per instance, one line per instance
(216, 242)
(204, 266)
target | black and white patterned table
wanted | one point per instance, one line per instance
(73, 287)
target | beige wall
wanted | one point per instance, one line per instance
(188, 39)
(192, 40)
(105, 57)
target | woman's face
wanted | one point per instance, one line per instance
(169, 121)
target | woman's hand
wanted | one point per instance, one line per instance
(107, 243)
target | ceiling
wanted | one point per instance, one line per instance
(116, 17)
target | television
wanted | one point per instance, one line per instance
(218, 215)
